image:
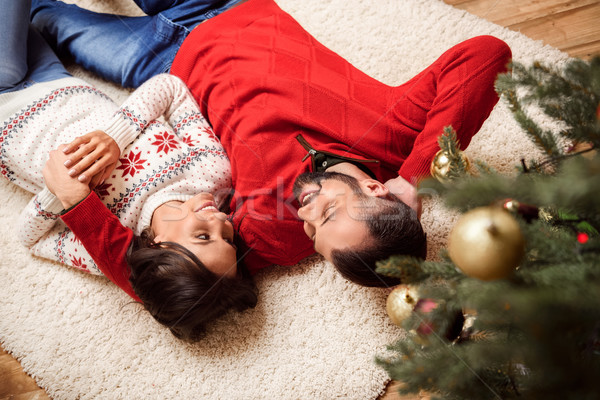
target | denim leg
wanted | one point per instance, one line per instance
(153, 7)
(43, 64)
(125, 50)
(188, 13)
(14, 22)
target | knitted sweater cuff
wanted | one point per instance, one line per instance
(415, 168)
(121, 130)
(49, 202)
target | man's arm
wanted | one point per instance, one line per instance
(462, 95)
(104, 237)
(67, 189)
(101, 233)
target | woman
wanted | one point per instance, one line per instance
(161, 180)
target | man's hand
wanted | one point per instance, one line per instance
(67, 189)
(405, 192)
(92, 157)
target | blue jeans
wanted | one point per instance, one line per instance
(25, 57)
(125, 50)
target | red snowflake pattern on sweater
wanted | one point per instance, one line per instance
(102, 190)
(78, 263)
(165, 142)
(209, 132)
(131, 164)
(188, 140)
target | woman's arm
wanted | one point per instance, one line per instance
(163, 95)
(38, 217)
(60, 193)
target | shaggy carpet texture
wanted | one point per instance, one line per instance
(312, 335)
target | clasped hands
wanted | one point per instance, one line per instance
(74, 169)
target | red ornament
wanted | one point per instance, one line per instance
(425, 306)
(583, 237)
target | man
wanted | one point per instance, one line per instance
(354, 221)
(284, 105)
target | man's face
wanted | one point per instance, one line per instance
(333, 209)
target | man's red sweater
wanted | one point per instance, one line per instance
(262, 80)
(272, 92)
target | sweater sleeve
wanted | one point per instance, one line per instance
(38, 217)
(461, 82)
(162, 95)
(104, 237)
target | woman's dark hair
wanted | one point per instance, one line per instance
(395, 230)
(179, 291)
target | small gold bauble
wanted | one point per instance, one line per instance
(401, 302)
(486, 243)
(440, 166)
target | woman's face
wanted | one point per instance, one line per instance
(201, 228)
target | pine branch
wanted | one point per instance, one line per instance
(571, 97)
(413, 270)
(535, 334)
(484, 168)
(545, 140)
(448, 142)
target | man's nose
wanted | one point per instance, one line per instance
(307, 212)
(302, 213)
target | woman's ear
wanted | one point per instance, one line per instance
(374, 188)
(157, 239)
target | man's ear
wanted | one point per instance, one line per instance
(374, 188)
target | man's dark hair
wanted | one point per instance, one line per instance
(394, 229)
(179, 291)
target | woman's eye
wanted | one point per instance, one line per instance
(203, 236)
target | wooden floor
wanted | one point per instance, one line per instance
(572, 26)
(569, 25)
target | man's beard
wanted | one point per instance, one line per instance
(317, 177)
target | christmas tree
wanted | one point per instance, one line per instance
(512, 308)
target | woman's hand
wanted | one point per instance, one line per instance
(67, 189)
(92, 157)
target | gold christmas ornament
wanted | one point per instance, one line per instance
(401, 302)
(486, 243)
(440, 166)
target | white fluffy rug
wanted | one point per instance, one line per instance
(313, 335)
